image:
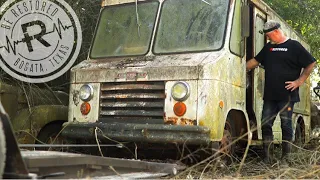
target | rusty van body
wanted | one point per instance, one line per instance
(174, 71)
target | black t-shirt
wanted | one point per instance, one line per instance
(283, 62)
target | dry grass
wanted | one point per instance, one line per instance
(303, 164)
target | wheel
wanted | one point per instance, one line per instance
(48, 135)
(299, 136)
(2, 150)
(227, 148)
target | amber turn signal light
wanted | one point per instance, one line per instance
(179, 109)
(85, 108)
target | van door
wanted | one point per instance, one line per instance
(259, 41)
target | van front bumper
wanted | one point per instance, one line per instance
(153, 133)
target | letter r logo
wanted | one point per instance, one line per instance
(27, 38)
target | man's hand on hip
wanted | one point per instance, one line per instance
(293, 85)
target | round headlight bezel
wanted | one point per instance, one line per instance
(89, 93)
(187, 93)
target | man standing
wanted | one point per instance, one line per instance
(283, 59)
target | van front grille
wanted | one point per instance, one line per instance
(132, 102)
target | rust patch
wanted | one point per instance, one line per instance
(179, 121)
(171, 120)
(185, 121)
(123, 96)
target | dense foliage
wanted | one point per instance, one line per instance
(304, 17)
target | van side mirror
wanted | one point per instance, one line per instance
(245, 21)
(316, 90)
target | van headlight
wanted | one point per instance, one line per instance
(86, 92)
(180, 91)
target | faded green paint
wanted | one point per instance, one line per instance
(222, 81)
(31, 108)
(27, 124)
(8, 97)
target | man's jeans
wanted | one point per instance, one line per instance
(269, 113)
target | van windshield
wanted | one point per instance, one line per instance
(198, 26)
(184, 26)
(119, 33)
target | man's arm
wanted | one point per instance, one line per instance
(292, 85)
(252, 63)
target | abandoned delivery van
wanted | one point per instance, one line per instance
(174, 71)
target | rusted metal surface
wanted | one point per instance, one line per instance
(81, 166)
(132, 104)
(132, 86)
(186, 121)
(132, 99)
(155, 133)
(171, 120)
(132, 96)
(166, 67)
(130, 113)
(180, 121)
(132, 120)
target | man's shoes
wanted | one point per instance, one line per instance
(268, 150)
(286, 150)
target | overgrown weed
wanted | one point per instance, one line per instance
(303, 164)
